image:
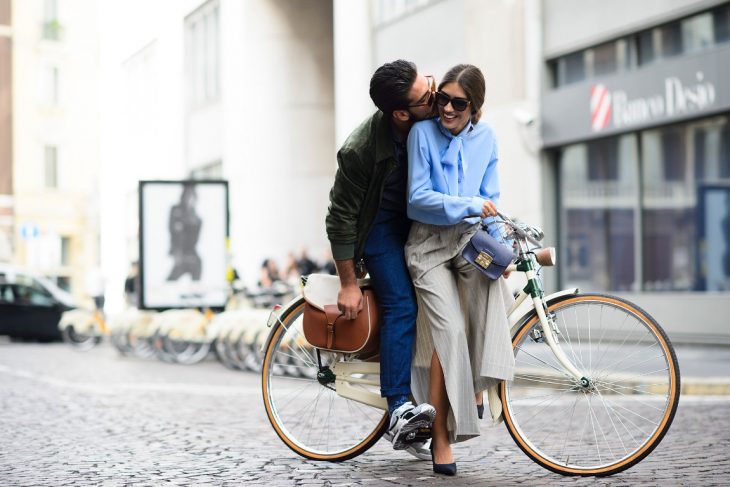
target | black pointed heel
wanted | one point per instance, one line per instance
(442, 468)
(480, 410)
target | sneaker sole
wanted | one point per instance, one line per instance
(421, 420)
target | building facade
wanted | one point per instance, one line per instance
(636, 132)
(6, 133)
(214, 89)
(54, 144)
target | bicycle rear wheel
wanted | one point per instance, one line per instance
(614, 420)
(306, 411)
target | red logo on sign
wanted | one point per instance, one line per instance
(600, 107)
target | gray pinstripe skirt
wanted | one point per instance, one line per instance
(464, 315)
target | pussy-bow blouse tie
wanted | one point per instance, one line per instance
(453, 162)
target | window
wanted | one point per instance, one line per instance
(721, 24)
(651, 219)
(51, 94)
(64, 282)
(202, 52)
(697, 32)
(671, 39)
(65, 251)
(646, 43)
(599, 199)
(51, 27)
(688, 35)
(605, 59)
(51, 166)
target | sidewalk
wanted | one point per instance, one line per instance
(705, 370)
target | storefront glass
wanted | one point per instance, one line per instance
(649, 210)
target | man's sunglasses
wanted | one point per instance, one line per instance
(427, 99)
(459, 104)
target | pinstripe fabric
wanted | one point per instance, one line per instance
(464, 315)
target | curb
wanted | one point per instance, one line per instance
(705, 386)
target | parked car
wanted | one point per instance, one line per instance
(30, 305)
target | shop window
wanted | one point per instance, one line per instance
(668, 204)
(599, 200)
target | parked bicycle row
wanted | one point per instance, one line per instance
(186, 336)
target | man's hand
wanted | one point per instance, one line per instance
(349, 301)
(488, 209)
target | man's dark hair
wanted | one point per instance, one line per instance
(390, 85)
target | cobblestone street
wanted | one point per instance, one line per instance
(96, 418)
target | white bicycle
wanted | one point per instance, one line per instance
(595, 390)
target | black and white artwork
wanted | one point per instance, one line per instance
(183, 233)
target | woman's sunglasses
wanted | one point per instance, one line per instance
(459, 104)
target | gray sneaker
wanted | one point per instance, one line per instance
(407, 421)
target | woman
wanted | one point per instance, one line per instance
(463, 345)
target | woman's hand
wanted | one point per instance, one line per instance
(489, 209)
(349, 301)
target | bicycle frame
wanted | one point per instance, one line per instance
(351, 374)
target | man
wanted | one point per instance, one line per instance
(367, 221)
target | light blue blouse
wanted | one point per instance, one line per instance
(449, 177)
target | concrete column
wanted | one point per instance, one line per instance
(353, 65)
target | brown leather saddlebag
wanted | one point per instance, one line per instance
(325, 328)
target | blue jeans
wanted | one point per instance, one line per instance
(385, 261)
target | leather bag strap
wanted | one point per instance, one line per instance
(332, 312)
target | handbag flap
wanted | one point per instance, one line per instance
(321, 290)
(501, 254)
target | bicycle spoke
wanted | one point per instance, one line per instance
(563, 372)
(570, 423)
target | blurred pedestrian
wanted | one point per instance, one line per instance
(269, 273)
(131, 285)
(305, 265)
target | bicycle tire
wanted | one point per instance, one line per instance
(603, 381)
(372, 422)
(80, 341)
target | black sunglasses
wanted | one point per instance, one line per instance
(459, 104)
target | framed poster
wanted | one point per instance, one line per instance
(183, 230)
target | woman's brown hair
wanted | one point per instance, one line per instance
(471, 80)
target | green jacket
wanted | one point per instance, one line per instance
(363, 164)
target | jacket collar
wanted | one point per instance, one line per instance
(383, 138)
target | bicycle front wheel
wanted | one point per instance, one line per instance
(304, 409)
(612, 420)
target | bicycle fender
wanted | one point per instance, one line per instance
(274, 317)
(549, 299)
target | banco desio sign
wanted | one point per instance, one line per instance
(661, 93)
(675, 97)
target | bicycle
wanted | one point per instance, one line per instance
(83, 329)
(595, 389)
